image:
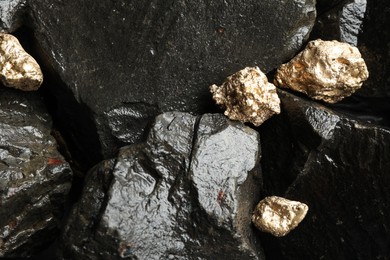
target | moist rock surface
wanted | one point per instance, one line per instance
(187, 192)
(162, 54)
(34, 178)
(339, 167)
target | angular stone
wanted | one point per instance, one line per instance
(278, 216)
(340, 20)
(324, 70)
(34, 177)
(340, 167)
(11, 14)
(247, 96)
(162, 54)
(18, 69)
(187, 192)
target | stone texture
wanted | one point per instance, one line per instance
(11, 14)
(339, 167)
(278, 216)
(324, 70)
(162, 54)
(18, 69)
(247, 96)
(34, 177)
(340, 20)
(365, 23)
(186, 193)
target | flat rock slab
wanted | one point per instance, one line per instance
(34, 177)
(188, 192)
(128, 55)
(340, 168)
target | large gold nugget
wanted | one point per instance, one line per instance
(324, 70)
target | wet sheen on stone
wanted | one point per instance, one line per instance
(178, 195)
(161, 53)
(340, 167)
(34, 177)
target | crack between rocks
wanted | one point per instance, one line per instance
(104, 200)
(336, 5)
(194, 139)
(186, 168)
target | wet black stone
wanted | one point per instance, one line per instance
(115, 55)
(185, 193)
(34, 178)
(340, 168)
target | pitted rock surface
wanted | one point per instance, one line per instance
(187, 192)
(34, 177)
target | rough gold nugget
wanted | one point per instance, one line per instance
(324, 70)
(247, 96)
(278, 216)
(17, 68)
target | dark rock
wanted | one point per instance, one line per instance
(114, 56)
(363, 23)
(34, 178)
(340, 168)
(186, 193)
(11, 14)
(340, 20)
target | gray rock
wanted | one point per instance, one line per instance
(112, 55)
(186, 193)
(339, 167)
(34, 177)
(11, 14)
(340, 20)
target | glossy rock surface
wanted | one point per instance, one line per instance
(187, 192)
(163, 54)
(34, 178)
(340, 168)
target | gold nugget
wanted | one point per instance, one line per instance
(278, 216)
